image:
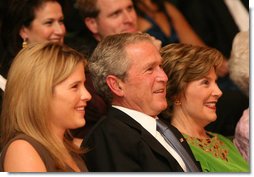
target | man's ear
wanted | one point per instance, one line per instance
(91, 24)
(115, 85)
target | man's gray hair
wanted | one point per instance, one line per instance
(110, 58)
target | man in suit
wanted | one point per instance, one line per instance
(126, 71)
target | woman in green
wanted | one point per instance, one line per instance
(192, 94)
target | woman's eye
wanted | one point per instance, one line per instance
(74, 86)
(206, 82)
(61, 21)
(48, 22)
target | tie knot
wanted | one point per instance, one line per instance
(161, 126)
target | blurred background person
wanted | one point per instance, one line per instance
(102, 18)
(239, 65)
(164, 21)
(44, 98)
(216, 22)
(26, 22)
(192, 95)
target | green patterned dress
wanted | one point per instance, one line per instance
(217, 154)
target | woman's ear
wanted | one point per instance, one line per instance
(23, 33)
(115, 85)
(177, 100)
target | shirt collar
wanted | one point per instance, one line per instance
(146, 121)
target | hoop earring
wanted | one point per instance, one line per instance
(24, 43)
(177, 103)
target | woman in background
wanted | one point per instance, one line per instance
(28, 21)
(239, 64)
(164, 21)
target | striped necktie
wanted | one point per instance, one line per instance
(171, 139)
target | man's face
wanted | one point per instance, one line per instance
(116, 16)
(144, 87)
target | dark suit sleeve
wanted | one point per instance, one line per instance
(111, 151)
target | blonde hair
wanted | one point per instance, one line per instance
(35, 72)
(184, 63)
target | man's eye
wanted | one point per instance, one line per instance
(130, 8)
(115, 14)
(150, 70)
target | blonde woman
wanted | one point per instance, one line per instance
(44, 98)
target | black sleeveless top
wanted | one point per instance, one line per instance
(44, 154)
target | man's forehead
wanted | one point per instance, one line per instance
(112, 5)
(139, 49)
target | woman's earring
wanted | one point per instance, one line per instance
(24, 44)
(177, 103)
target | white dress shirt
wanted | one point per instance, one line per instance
(149, 123)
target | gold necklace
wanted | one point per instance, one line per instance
(211, 145)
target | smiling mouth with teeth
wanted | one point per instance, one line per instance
(211, 105)
(159, 91)
(80, 108)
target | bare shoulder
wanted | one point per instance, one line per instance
(22, 157)
(173, 11)
(143, 24)
(170, 7)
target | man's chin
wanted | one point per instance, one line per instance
(130, 31)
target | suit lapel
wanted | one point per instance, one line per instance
(160, 150)
(147, 137)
